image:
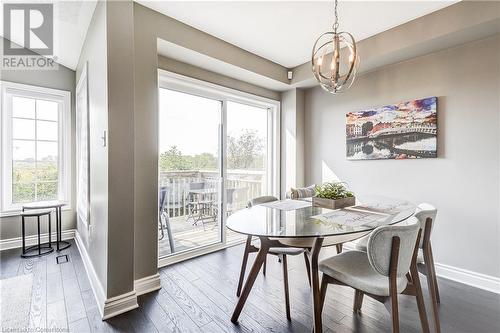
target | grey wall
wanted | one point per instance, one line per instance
(94, 52)
(63, 79)
(148, 27)
(109, 53)
(463, 182)
(120, 46)
(292, 140)
(146, 144)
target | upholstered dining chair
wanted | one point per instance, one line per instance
(281, 253)
(386, 269)
(426, 215)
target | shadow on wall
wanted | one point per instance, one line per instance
(327, 174)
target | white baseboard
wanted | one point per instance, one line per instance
(95, 284)
(478, 280)
(14, 243)
(470, 278)
(108, 307)
(147, 284)
(119, 304)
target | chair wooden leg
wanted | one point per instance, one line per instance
(264, 266)
(339, 248)
(420, 302)
(432, 290)
(308, 268)
(394, 311)
(244, 265)
(323, 289)
(436, 288)
(358, 301)
(285, 282)
(254, 271)
(393, 288)
(316, 296)
(433, 277)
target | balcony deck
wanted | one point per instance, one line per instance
(188, 236)
(241, 185)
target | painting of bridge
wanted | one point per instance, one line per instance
(398, 131)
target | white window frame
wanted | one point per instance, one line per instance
(181, 83)
(8, 90)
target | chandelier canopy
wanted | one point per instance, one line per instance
(335, 59)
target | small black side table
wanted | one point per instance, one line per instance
(41, 249)
(57, 205)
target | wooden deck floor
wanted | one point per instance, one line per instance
(198, 296)
(187, 236)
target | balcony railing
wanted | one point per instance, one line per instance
(242, 185)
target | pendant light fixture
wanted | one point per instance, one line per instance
(335, 59)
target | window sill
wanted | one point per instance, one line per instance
(17, 212)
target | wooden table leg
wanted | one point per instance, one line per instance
(259, 260)
(316, 295)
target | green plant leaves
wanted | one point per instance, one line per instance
(332, 190)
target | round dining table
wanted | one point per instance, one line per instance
(295, 223)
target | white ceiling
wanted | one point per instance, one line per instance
(281, 31)
(284, 31)
(71, 21)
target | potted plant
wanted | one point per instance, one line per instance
(333, 195)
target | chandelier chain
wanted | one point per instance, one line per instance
(336, 23)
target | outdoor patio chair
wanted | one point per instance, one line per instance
(164, 219)
(201, 206)
(193, 205)
(234, 196)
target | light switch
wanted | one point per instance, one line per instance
(104, 138)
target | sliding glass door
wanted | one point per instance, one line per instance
(249, 155)
(190, 171)
(216, 152)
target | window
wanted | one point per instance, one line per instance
(35, 145)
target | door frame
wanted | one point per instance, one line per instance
(184, 84)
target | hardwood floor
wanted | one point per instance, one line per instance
(199, 296)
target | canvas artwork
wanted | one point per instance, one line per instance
(398, 131)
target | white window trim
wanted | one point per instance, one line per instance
(64, 140)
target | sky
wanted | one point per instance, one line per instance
(415, 110)
(192, 123)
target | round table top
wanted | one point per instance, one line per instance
(44, 204)
(369, 213)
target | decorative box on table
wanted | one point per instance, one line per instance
(333, 203)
